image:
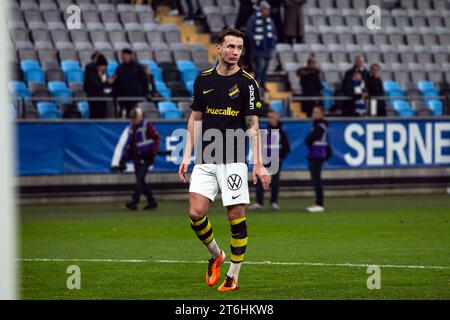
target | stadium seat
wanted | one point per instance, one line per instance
(403, 108)
(277, 106)
(59, 90)
(48, 110)
(165, 107)
(111, 68)
(327, 92)
(154, 69)
(75, 76)
(68, 65)
(436, 107)
(172, 114)
(190, 87)
(19, 89)
(34, 75)
(83, 108)
(162, 89)
(427, 88)
(188, 70)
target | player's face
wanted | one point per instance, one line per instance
(231, 49)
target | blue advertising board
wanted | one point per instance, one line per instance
(46, 148)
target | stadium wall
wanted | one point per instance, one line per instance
(70, 160)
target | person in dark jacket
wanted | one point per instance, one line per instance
(141, 147)
(311, 84)
(275, 14)
(375, 89)
(357, 90)
(130, 80)
(284, 148)
(261, 31)
(95, 83)
(318, 153)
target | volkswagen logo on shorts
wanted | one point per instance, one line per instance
(234, 182)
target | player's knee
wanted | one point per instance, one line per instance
(195, 214)
(236, 212)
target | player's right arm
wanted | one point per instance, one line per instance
(190, 143)
(196, 116)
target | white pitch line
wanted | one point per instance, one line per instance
(315, 264)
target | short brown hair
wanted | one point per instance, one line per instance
(229, 32)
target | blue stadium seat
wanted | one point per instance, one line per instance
(111, 68)
(188, 70)
(154, 69)
(391, 86)
(327, 92)
(172, 114)
(18, 89)
(56, 85)
(16, 85)
(163, 90)
(34, 75)
(26, 65)
(428, 89)
(436, 107)
(83, 107)
(67, 65)
(166, 106)
(75, 76)
(403, 108)
(59, 90)
(277, 106)
(13, 111)
(190, 87)
(48, 110)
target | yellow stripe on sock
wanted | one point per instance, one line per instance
(236, 221)
(209, 239)
(237, 258)
(239, 242)
(207, 228)
(199, 222)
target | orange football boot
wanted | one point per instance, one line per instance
(229, 284)
(213, 272)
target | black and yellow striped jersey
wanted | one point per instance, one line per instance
(225, 101)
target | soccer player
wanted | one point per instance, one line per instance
(225, 97)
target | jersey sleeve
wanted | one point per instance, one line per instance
(197, 100)
(252, 102)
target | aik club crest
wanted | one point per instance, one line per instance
(234, 92)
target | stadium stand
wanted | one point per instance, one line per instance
(412, 47)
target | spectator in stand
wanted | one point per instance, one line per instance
(92, 67)
(95, 86)
(275, 14)
(246, 9)
(283, 146)
(319, 151)
(130, 80)
(141, 147)
(294, 21)
(357, 90)
(358, 65)
(261, 31)
(348, 85)
(375, 89)
(311, 84)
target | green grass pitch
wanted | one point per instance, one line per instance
(404, 232)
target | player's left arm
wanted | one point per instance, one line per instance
(259, 171)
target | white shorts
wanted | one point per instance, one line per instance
(230, 178)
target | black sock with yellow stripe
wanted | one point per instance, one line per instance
(203, 229)
(238, 239)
